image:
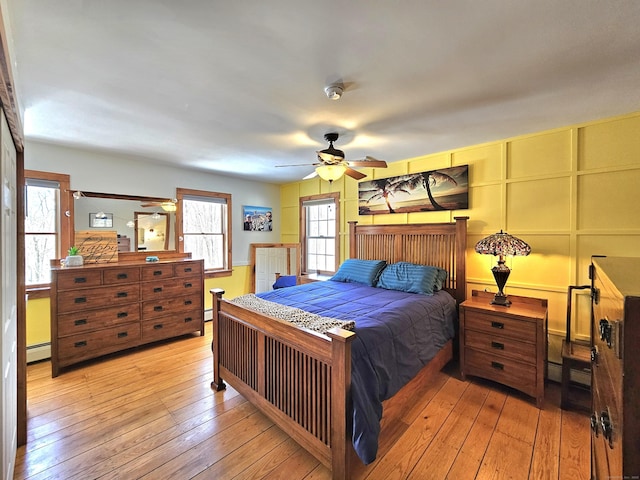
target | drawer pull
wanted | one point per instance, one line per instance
(80, 300)
(594, 355)
(497, 345)
(79, 280)
(594, 424)
(122, 334)
(157, 308)
(607, 428)
(157, 290)
(497, 365)
(83, 343)
(157, 272)
(187, 270)
(82, 321)
(122, 314)
(499, 325)
(605, 331)
(188, 285)
(188, 319)
(157, 326)
(188, 302)
(122, 276)
(122, 294)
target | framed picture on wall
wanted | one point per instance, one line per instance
(432, 190)
(257, 219)
(101, 220)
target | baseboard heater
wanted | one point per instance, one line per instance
(40, 351)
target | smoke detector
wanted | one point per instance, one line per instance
(334, 92)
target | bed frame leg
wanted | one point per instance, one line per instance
(217, 384)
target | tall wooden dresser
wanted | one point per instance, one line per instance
(104, 308)
(615, 372)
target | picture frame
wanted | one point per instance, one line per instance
(102, 220)
(257, 219)
(428, 191)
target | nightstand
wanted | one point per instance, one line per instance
(505, 344)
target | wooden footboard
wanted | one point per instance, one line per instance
(300, 379)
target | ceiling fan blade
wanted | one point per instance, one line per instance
(311, 175)
(299, 165)
(368, 162)
(354, 173)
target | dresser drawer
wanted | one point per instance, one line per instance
(121, 275)
(521, 376)
(172, 325)
(171, 288)
(500, 325)
(166, 305)
(188, 268)
(78, 322)
(76, 348)
(88, 298)
(501, 345)
(159, 271)
(79, 278)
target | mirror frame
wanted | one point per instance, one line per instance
(255, 246)
(119, 196)
(136, 230)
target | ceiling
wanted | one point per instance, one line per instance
(237, 87)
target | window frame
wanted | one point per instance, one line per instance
(335, 196)
(181, 193)
(65, 233)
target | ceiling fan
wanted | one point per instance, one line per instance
(166, 205)
(331, 164)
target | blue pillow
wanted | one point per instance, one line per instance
(409, 277)
(354, 270)
(284, 281)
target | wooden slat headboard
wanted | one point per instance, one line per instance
(439, 244)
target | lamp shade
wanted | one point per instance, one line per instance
(502, 244)
(330, 172)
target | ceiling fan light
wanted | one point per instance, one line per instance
(168, 206)
(330, 173)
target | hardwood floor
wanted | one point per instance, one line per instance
(151, 414)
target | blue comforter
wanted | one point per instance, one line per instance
(398, 333)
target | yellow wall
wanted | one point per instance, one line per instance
(570, 193)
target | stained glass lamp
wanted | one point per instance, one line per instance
(502, 244)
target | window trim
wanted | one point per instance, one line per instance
(179, 235)
(66, 233)
(335, 196)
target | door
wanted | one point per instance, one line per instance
(8, 303)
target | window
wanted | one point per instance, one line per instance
(203, 222)
(319, 233)
(46, 226)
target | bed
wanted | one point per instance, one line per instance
(311, 384)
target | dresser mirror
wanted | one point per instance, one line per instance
(108, 211)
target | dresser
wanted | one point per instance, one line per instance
(505, 344)
(105, 308)
(615, 372)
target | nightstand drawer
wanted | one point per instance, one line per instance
(501, 345)
(501, 325)
(521, 376)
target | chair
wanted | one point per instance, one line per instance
(575, 356)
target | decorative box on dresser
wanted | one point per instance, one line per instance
(505, 344)
(99, 309)
(615, 372)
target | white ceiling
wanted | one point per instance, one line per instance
(237, 87)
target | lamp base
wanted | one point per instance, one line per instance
(501, 299)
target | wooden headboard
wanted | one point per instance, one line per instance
(439, 244)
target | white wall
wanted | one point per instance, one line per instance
(99, 172)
